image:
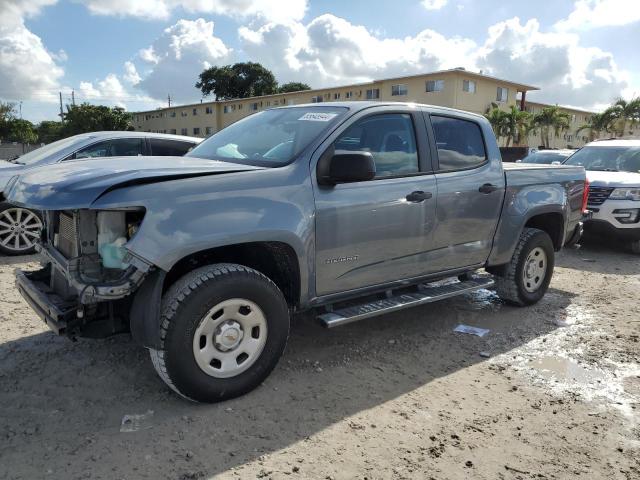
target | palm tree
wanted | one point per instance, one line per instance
(598, 123)
(624, 112)
(548, 120)
(516, 125)
(498, 120)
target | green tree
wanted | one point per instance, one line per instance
(597, 124)
(293, 87)
(22, 131)
(498, 120)
(240, 80)
(7, 115)
(550, 120)
(517, 125)
(49, 131)
(94, 118)
(624, 112)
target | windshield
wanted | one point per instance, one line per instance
(545, 157)
(607, 159)
(42, 152)
(271, 138)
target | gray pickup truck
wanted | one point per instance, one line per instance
(349, 210)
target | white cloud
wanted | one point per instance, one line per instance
(178, 56)
(131, 73)
(110, 91)
(27, 69)
(434, 4)
(589, 14)
(567, 72)
(330, 50)
(162, 9)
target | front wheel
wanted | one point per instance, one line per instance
(224, 328)
(525, 279)
(19, 229)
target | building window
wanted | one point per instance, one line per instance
(373, 93)
(253, 106)
(397, 90)
(435, 85)
(183, 114)
(336, 96)
(195, 111)
(469, 86)
(502, 94)
(240, 107)
(226, 109)
(172, 114)
(208, 130)
(196, 131)
(316, 99)
(208, 110)
(348, 95)
(147, 117)
(183, 131)
(172, 131)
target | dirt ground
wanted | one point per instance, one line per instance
(552, 391)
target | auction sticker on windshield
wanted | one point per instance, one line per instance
(318, 116)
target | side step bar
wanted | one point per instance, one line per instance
(425, 293)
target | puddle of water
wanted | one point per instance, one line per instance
(564, 369)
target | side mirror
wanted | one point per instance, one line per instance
(344, 166)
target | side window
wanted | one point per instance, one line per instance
(127, 147)
(389, 137)
(100, 149)
(460, 143)
(165, 148)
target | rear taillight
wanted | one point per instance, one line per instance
(585, 195)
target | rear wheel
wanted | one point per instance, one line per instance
(224, 328)
(525, 279)
(19, 229)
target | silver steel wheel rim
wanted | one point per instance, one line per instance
(535, 270)
(230, 338)
(19, 229)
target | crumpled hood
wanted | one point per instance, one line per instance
(613, 179)
(77, 184)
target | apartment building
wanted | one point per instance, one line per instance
(568, 139)
(456, 88)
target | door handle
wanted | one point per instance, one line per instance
(419, 196)
(487, 188)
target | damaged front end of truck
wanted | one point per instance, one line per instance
(85, 286)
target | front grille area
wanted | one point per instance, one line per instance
(597, 195)
(67, 235)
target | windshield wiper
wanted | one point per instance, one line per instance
(604, 170)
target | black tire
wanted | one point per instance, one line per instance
(10, 249)
(184, 306)
(510, 281)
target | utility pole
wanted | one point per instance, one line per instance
(169, 99)
(20, 109)
(61, 112)
(73, 98)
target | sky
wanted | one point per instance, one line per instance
(134, 53)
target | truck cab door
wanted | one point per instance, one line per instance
(471, 188)
(375, 232)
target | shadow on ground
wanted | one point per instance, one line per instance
(62, 402)
(600, 256)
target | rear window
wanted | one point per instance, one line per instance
(460, 143)
(165, 148)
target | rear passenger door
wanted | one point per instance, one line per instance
(470, 192)
(165, 147)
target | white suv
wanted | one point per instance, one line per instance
(613, 171)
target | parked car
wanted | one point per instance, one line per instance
(20, 227)
(350, 210)
(613, 171)
(548, 157)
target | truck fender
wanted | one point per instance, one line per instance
(144, 315)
